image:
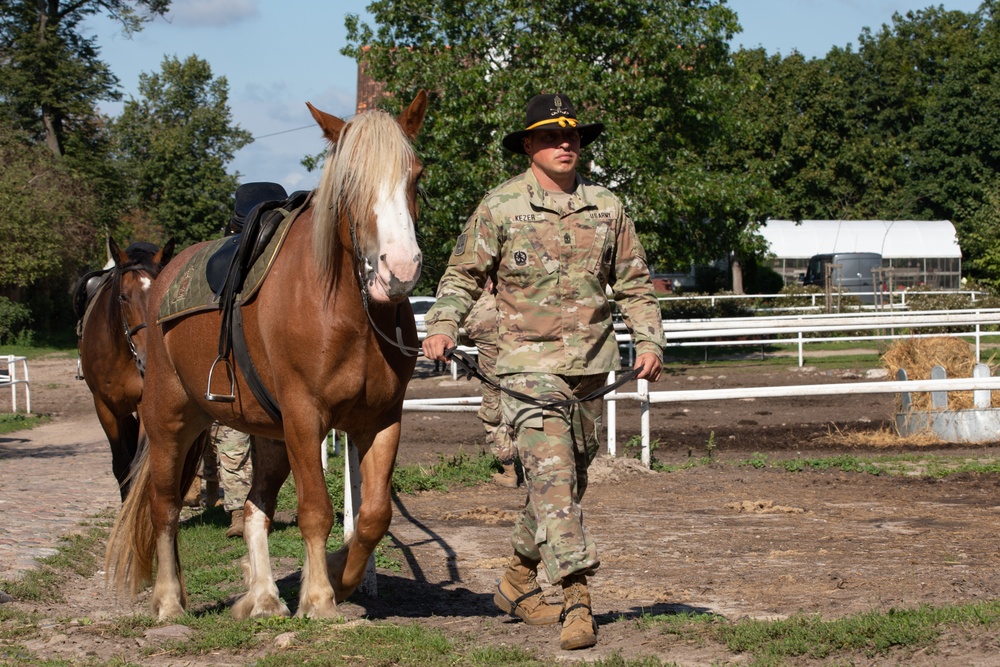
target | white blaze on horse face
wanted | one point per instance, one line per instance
(399, 258)
(146, 283)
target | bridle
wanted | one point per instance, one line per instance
(363, 269)
(131, 331)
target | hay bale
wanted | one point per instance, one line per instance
(919, 355)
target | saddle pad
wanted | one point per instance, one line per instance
(189, 293)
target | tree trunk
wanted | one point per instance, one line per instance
(48, 9)
(737, 266)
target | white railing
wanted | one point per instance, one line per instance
(646, 398)
(776, 330)
(896, 298)
(793, 329)
(9, 378)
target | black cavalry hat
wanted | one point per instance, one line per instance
(547, 110)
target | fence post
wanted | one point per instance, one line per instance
(352, 505)
(978, 351)
(642, 387)
(801, 343)
(612, 421)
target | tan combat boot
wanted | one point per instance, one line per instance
(519, 595)
(236, 525)
(579, 627)
(508, 477)
(192, 497)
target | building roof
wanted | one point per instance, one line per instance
(890, 238)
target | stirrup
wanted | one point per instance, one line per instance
(221, 398)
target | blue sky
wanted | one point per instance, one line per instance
(276, 55)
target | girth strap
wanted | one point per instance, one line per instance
(243, 360)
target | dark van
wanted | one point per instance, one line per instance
(852, 272)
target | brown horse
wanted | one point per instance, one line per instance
(112, 344)
(313, 331)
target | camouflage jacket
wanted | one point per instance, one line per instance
(553, 270)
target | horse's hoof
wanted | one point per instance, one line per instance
(168, 612)
(318, 610)
(248, 607)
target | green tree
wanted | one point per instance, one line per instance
(657, 73)
(42, 231)
(50, 75)
(175, 141)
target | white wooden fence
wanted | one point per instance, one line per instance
(9, 377)
(802, 330)
(798, 330)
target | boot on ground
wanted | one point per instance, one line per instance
(192, 497)
(236, 524)
(507, 478)
(519, 594)
(579, 629)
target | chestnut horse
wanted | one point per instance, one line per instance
(314, 331)
(112, 344)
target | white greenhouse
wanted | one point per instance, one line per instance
(919, 252)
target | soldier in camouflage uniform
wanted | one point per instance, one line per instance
(481, 327)
(235, 472)
(555, 242)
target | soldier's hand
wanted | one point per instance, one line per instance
(649, 365)
(434, 346)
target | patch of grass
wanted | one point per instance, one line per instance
(909, 464)
(844, 462)
(19, 421)
(131, 626)
(62, 347)
(375, 644)
(871, 634)
(81, 554)
(461, 469)
(15, 624)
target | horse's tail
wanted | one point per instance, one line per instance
(128, 563)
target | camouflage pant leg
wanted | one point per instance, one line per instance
(497, 432)
(210, 462)
(556, 448)
(235, 465)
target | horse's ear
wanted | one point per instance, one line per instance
(330, 124)
(117, 254)
(413, 117)
(166, 253)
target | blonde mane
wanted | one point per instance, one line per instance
(373, 154)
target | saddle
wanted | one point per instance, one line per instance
(253, 202)
(226, 271)
(85, 290)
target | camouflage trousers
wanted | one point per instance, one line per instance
(228, 459)
(497, 432)
(556, 449)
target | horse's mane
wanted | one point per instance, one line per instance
(372, 154)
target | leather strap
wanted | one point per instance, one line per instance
(242, 355)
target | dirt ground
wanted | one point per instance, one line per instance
(732, 540)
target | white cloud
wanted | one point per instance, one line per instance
(212, 13)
